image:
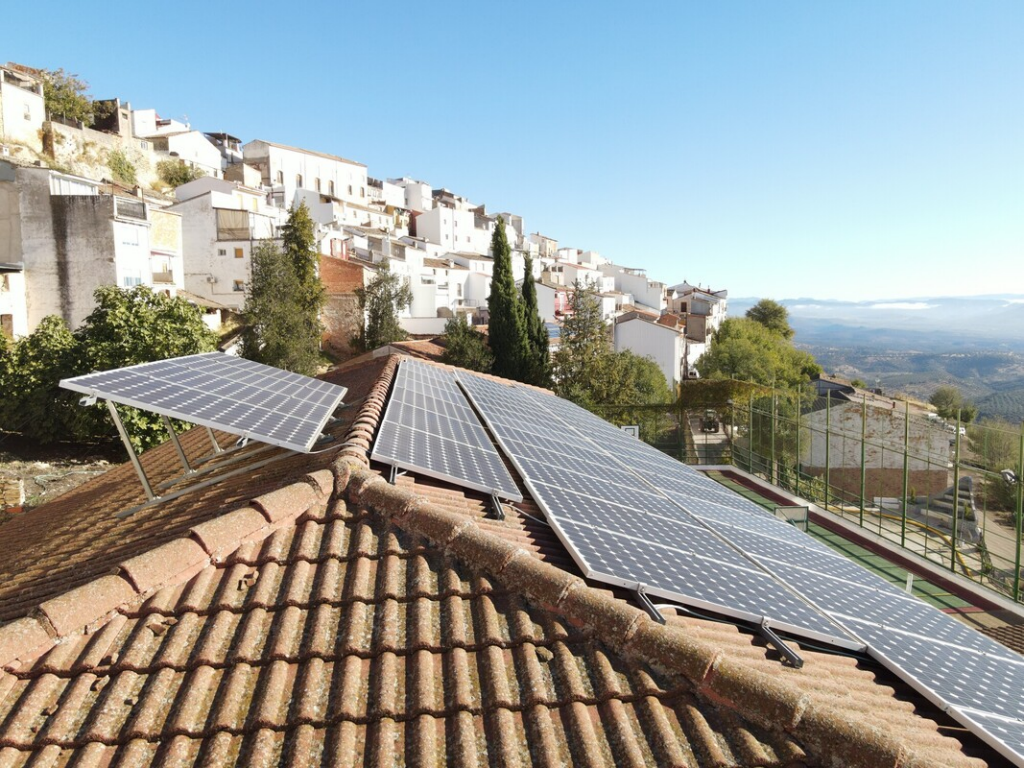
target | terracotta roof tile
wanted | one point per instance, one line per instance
(396, 626)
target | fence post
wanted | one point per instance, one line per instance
(799, 414)
(750, 434)
(774, 472)
(1020, 513)
(863, 464)
(956, 494)
(906, 473)
(828, 444)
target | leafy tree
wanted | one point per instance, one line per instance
(33, 402)
(64, 94)
(948, 401)
(506, 331)
(381, 300)
(585, 339)
(284, 298)
(589, 373)
(178, 172)
(772, 316)
(132, 326)
(271, 315)
(746, 350)
(996, 442)
(537, 364)
(466, 347)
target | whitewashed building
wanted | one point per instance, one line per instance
(647, 294)
(284, 170)
(660, 338)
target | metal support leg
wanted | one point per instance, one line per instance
(645, 602)
(177, 445)
(497, 511)
(779, 645)
(131, 451)
(213, 439)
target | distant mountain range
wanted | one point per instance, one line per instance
(914, 324)
(915, 345)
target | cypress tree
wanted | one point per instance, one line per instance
(507, 332)
(538, 362)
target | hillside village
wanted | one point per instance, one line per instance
(70, 222)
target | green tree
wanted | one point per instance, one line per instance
(506, 331)
(466, 347)
(271, 315)
(133, 326)
(33, 402)
(537, 363)
(178, 172)
(772, 316)
(584, 340)
(948, 401)
(284, 298)
(746, 350)
(381, 300)
(64, 95)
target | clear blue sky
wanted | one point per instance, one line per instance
(856, 150)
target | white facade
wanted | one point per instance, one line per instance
(646, 293)
(287, 169)
(418, 196)
(664, 344)
(221, 224)
(385, 193)
(456, 230)
(22, 109)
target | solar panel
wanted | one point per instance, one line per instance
(223, 392)
(630, 516)
(429, 428)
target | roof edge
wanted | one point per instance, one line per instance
(172, 563)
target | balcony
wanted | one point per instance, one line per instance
(163, 278)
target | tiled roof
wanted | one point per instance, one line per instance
(323, 616)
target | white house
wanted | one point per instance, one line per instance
(661, 339)
(418, 196)
(286, 169)
(456, 229)
(22, 109)
(72, 239)
(647, 294)
(222, 222)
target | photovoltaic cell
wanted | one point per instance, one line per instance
(223, 392)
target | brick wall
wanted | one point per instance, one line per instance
(341, 314)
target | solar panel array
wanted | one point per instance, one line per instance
(429, 427)
(223, 392)
(631, 515)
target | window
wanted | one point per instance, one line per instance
(7, 325)
(129, 235)
(350, 189)
(144, 144)
(239, 285)
(362, 191)
(330, 188)
(238, 253)
(130, 281)
(280, 177)
(28, 112)
(298, 179)
(5, 283)
(316, 184)
(222, 251)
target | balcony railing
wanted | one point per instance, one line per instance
(163, 277)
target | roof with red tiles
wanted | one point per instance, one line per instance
(313, 613)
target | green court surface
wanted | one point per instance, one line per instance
(931, 593)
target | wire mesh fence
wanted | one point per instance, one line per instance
(947, 491)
